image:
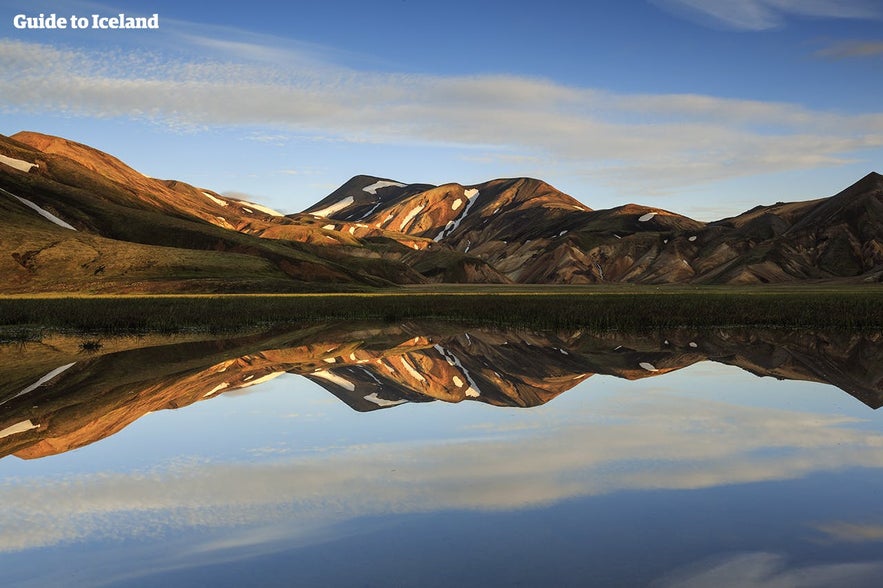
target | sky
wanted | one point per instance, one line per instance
(703, 107)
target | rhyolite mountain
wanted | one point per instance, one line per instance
(54, 397)
(75, 219)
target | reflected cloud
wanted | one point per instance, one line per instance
(701, 444)
(852, 532)
(770, 570)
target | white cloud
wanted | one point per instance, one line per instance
(758, 15)
(770, 570)
(636, 141)
(703, 444)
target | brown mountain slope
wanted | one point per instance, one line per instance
(55, 397)
(108, 224)
(78, 219)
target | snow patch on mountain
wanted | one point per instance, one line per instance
(335, 379)
(408, 368)
(472, 195)
(263, 209)
(18, 428)
(44, 213)
(217, 201)
(216, 389)
(645, 217)
(18, 164)
(410, 216)
(41, 381)
(473, 390)
(331, 209)
(372, 189)
(382, 402)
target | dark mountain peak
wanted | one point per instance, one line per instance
(363, 195)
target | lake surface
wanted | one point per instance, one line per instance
(432, 455)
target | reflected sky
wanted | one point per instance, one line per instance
(263, 479)
(706, 474)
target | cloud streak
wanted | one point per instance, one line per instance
(760, 15)
(703, 444)
(649, 142)
(852, 49)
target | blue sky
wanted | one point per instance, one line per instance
(703, 107)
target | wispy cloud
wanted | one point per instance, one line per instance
(851, 49)
(759, 15)
(637, 141)
(771, 570)
(703, 444)
(852, 532)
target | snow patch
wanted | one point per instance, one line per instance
(645, 217)
(648, 366)
(372, 189)
(44, 213)
(248, 210)
(217, 201)
(216, 389)
(269, 211)
(382, 402)
(562, 233)
(693, 238)
(410, 216)
(456, 204)
(473, 391)
(617, 236)
(18, 428)
(335, 379)
(452, 225)
(693, 344)
(263, 379)
(331, 209)
(18, 164)
(352, 230)
(414, 373)
(329, 227)
(41, 381)
(457, 382)
(329, 360)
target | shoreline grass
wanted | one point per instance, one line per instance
(625, 308)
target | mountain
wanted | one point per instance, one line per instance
(75, 219)
(56, 396)
(529, 232)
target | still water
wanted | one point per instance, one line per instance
(431, 455)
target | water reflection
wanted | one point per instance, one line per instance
(662, 464)
(54, 396)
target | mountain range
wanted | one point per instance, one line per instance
(75, 219)
(56, 396)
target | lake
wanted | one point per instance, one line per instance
(427, 454)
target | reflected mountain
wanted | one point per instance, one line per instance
(56, 396)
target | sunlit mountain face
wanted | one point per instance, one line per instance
(76, 219)
(57, 395)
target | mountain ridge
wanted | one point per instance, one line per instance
(375, 232)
